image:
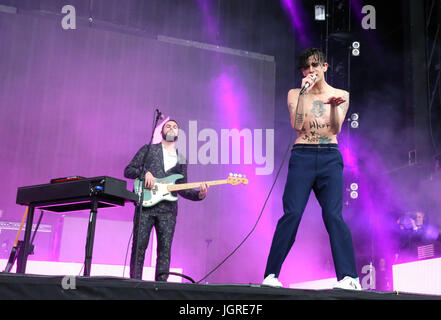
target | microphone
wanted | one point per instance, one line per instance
(159, 114)
(306, 86)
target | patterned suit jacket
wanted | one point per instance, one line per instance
(150, 158)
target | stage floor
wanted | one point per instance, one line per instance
(38, 287)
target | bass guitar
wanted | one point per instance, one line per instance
(163, 187)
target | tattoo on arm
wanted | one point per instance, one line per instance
(344, 105)
(299, 118)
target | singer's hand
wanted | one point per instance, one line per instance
(310, 79)
(335, 101)
(149, 180)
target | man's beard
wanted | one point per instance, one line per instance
(169, 136)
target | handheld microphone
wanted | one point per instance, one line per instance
(306, 86)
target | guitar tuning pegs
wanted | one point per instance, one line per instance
(239, 175)
(230, 174)
(235, 174)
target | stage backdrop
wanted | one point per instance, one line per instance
(80, 102)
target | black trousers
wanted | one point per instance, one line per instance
(143, 222)
(318, 168)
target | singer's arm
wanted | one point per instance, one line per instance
(296, 108)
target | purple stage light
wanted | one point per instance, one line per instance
(350, 159)
(356, 9)
(228, 99)
(210, 22)
(294, 11)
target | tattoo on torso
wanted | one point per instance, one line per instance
(318, 108)
(314, 137)
(318, 128)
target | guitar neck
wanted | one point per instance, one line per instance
(192, 185)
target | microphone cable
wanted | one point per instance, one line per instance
(258, 218)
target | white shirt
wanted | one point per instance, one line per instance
(170, 159)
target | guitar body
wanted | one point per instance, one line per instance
(159, 191)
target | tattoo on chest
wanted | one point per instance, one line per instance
(318, 108)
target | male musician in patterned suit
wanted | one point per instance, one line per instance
(151, 162)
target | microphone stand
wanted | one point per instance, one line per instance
(156, 116)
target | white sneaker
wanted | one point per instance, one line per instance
(272, 281)
(348, 283)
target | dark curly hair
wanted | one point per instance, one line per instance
(316, 53)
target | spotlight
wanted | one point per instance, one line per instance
(354, 194)
(354, 120)
(354, 186)
(354, 124)
(355, 48)
(320, 12)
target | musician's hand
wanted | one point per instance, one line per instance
(335, 101)
(149, 180)
(203, 190)
(310, 78)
